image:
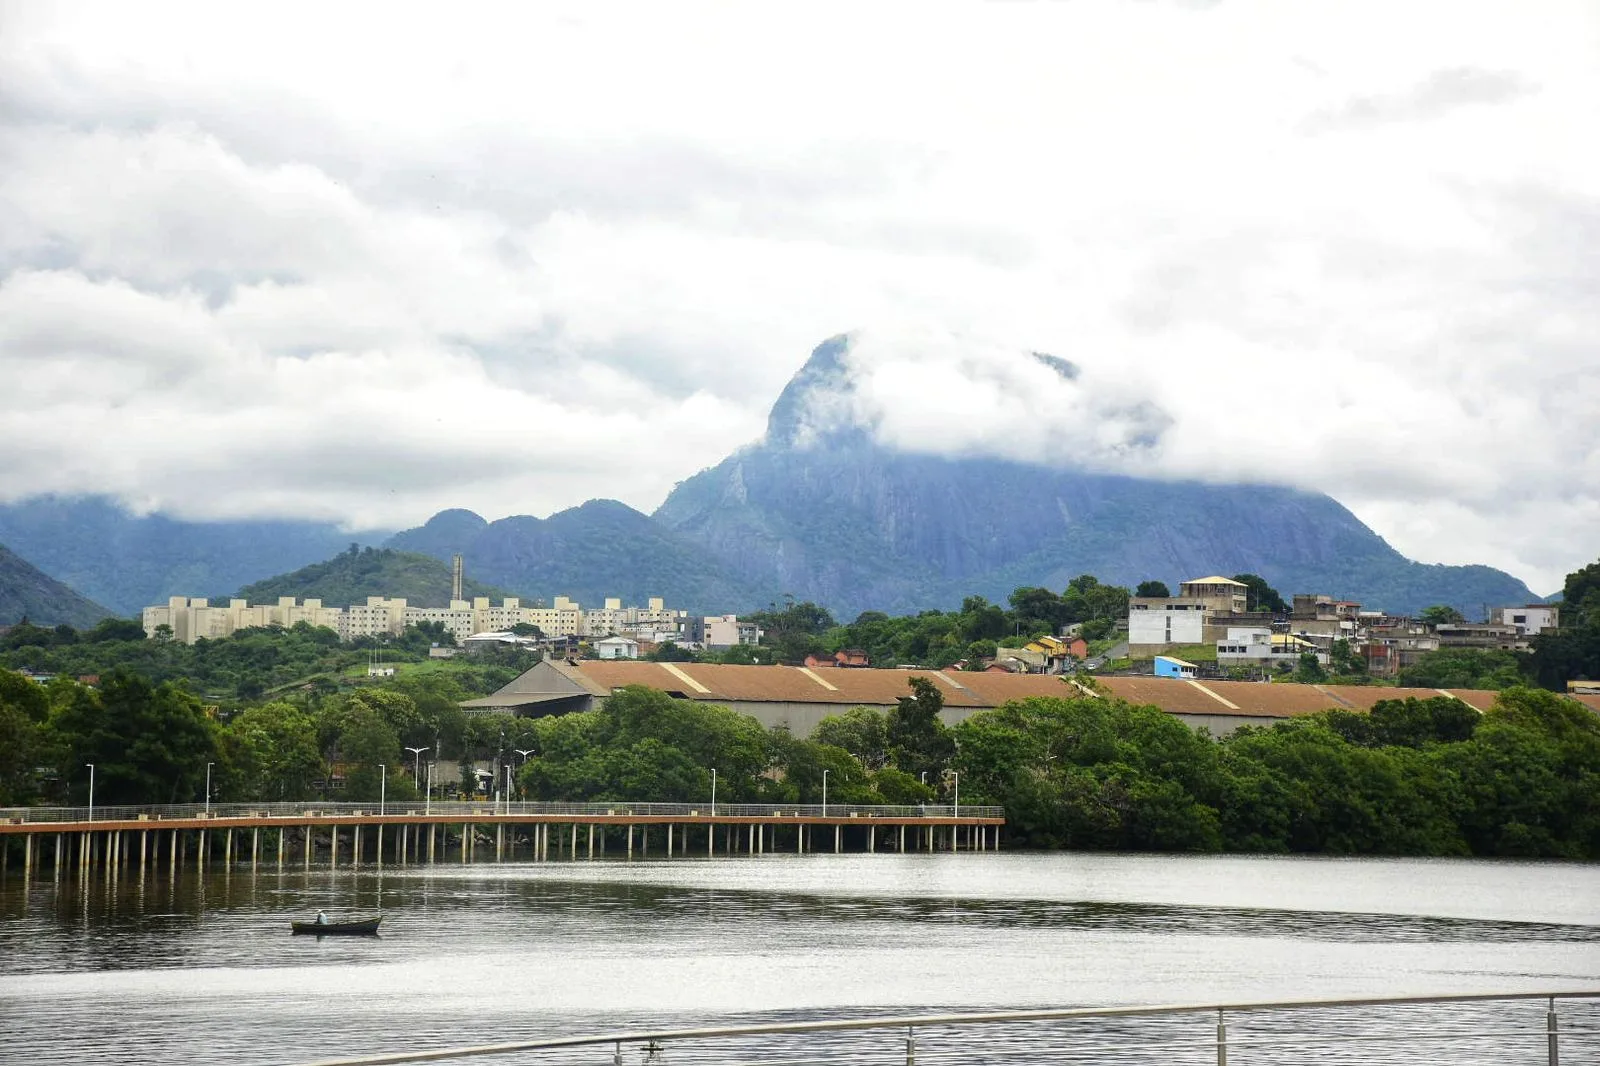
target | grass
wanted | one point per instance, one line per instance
(1194, 653)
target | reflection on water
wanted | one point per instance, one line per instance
(204, 969)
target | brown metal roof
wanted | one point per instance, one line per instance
(881, 688)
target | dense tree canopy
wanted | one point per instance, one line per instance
(1260, 596)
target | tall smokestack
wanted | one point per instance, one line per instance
(457, 576)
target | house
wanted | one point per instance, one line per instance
(1259, 646)
(1168, 666)
(617, 648)
(1199, 614)
(1531, 620)
(720, 632)
(1478, 635)
(1046, 655)
(852, 658)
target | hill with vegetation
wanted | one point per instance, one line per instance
(353, 575)
(26, 592)
(128, 561)
(601, 549)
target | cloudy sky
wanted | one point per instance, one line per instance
(365, 262)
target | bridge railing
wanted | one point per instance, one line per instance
(538, 810)
(1474, 1029)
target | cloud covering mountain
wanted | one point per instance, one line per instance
(287, 261)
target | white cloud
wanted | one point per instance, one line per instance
(519, 256)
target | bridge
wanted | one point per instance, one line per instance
(66, 838)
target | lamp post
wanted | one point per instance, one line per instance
(416, 765)
(383, 788)
(90, 765)
(825, 793)
(508, 787)
(525, 753)
(955, 776)
(208, 788)
(713, 792)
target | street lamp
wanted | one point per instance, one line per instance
(525, 753)
(825, 793)
(508, 787)
(416, 765)
(383, 788)
(209, 765)
(713, 792)
(90, 765)
(955, 776)
(427, 801)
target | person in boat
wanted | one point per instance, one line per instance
(322, 917)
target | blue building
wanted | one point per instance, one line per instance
(1167, 666)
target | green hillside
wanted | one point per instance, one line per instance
(352, 576)
(28, 592)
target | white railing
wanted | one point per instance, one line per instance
(1467, 1028)
(534, 810)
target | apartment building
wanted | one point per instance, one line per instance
(192, 619)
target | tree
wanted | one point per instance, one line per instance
(1260, 596)
(670, 652)
(1153, 589)
(1309, 671)
(1038, 609)
(1573, 651)
(918, 740)
(1440, 614)
(273, 752)
(149, 743)
(1346, 662)
(114, 629)
(1480, 668)
(861, 731)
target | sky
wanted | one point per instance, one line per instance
(362, 262)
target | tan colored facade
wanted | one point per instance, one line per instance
(193, 618)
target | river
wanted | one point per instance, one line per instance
(204, 969)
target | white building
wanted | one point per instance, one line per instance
(616, 648)
(192, 619)
(632, 621)
(1165, 620)
(1532, 619)
(723, 631)
(1260, 646)
(376, 617)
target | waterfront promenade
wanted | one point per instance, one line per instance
(60, 839)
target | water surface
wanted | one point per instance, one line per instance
(204, 969)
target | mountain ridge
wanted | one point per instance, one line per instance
(28, 592)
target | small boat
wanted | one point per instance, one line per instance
(364, 927)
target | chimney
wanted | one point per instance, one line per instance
(456, 578)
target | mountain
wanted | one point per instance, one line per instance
(28, 592)
(352, 576)
(822, 512)
(600, 549)
(129, 561)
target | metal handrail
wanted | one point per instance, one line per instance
(489, 808)
(913, 1022)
